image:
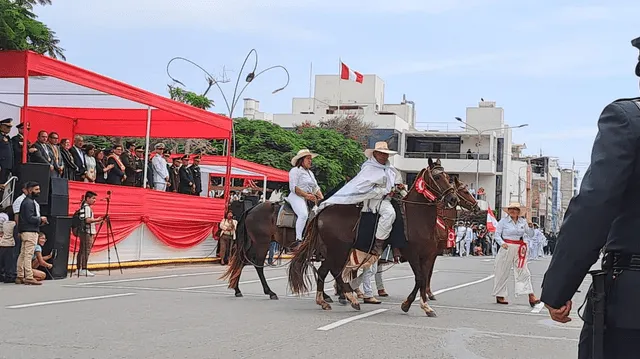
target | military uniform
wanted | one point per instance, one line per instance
(6, 152)
(607, 202)
(130, 167)
(17, 142)
(197, 177)
(186, 177)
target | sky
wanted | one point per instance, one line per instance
(551, 64)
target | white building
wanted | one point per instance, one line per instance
(484, 146)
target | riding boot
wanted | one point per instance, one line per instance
(396, 255)
(378, 247)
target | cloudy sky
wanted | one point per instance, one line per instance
(551, 64)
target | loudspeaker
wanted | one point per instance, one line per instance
(59, 203)
(40, 173)
(58, 236)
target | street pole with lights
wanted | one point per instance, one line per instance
(251, 76)
(478, 145)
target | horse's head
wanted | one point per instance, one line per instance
(467, 201)
(433, 184)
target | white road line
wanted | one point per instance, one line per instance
(94, 286)
(463, 285)
(351, 319)
(537, 308)
(474, 332)
(227, 284)
(149, 278)
(40, 304)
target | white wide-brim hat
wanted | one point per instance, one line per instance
(381, 146)
(515, 205)
(302, 153)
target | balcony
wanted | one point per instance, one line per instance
(452, 162)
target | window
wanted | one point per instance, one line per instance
(391, 137)
(498, 201)
(433, 144)
(500, 154)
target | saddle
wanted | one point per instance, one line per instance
(287, 217)
(366, 230)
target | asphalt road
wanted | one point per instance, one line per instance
(186, 312)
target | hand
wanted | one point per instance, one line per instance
(109, 167)
(43, 220)
(560, 315)
(49, 265)
(504, 246)
(310, 197)
(51, 167)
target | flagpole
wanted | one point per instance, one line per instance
(339, 82)
(311, 97)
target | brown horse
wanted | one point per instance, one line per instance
(448, 216)
(256, 230)
(332, 234)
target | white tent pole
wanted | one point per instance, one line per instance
(264, 188)
(146, 148)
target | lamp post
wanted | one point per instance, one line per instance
(480, 132)
(250, 77)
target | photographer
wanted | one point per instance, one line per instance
(39, 261)
(87, 232)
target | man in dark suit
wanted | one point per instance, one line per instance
(17, 142)
(128, 158)
(197, 176)
(117, 173)
(186, 185)
(6, 150)
(43, 153)
(29, 227)
(78, 157)
(604, 214)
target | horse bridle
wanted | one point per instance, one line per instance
(464, 199)
(441, 194)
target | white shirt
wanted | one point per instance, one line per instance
(18, 202)
(461, 231)
(160, 170)
(469, 236)
(303, 179)
(507, 229)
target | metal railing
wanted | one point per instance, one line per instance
(447, 156)
(9, 188)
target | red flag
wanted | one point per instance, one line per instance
(347, 74)
(492, 223)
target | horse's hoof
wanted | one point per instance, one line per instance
(328, 299)
(405, 307)
(273, 296)
(432, 297)
(355, 306)
(343, 301)
(238, 295)
(326, 306)
(431, 314)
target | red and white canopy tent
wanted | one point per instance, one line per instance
(55, 94)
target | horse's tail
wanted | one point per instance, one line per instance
(300, 263)
(238, 255)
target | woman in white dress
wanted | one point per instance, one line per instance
(303, 187)
(513, 253)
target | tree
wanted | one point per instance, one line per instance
(350, 126)
(266, 143)
(19, 29)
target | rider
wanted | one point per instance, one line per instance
(303, 187)
(374, 186)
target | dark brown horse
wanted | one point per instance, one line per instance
(332, 234)
(256, 230)
(448, 217)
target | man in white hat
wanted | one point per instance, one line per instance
(303, 187)
(373, 185)
(509, 235)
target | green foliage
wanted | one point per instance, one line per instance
(190, 98)
(266, 143)
(19, 29)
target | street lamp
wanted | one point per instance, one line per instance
(249, 78)
(478, 144)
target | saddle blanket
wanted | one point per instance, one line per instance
(366, 231)
(360, 260)
(286, 216)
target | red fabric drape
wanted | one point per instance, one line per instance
(178, 221)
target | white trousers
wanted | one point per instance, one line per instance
(534, 250)
(505, 260)
(299, 205)
(160, 186)
(364, 279)
(467, 247)
(387, 217)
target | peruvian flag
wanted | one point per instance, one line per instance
(347, 74)
(492, 223)
(249, 183)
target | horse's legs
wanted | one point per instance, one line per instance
(417, 273)
(424, 266)
(322, 274)
(260, 256)
(343, 288)
(431, 264)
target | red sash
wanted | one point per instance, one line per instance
(522, 251)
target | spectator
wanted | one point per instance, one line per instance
(7, 247)
(56, 158)
(90, 163)
(160, 171)
(228, 234)
(40, 262)
(116, 174)
(87, 232)
(79, 157)
(29, 228)
(43, 153)
(70, 167)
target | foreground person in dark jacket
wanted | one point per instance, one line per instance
(29, 228)
(608, 203)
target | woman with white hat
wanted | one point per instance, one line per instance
(303, 187)
(513, 253)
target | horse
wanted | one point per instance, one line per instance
(446, 219)
(331, 233)
(256, 229)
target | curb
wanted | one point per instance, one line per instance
(155, 263)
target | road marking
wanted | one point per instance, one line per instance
(148, 278)
(496, 335)
(227, 284)
(351, 319)
(384, 280)
(463, 285)
(40, 304)
(95, 286)
(538, 307)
